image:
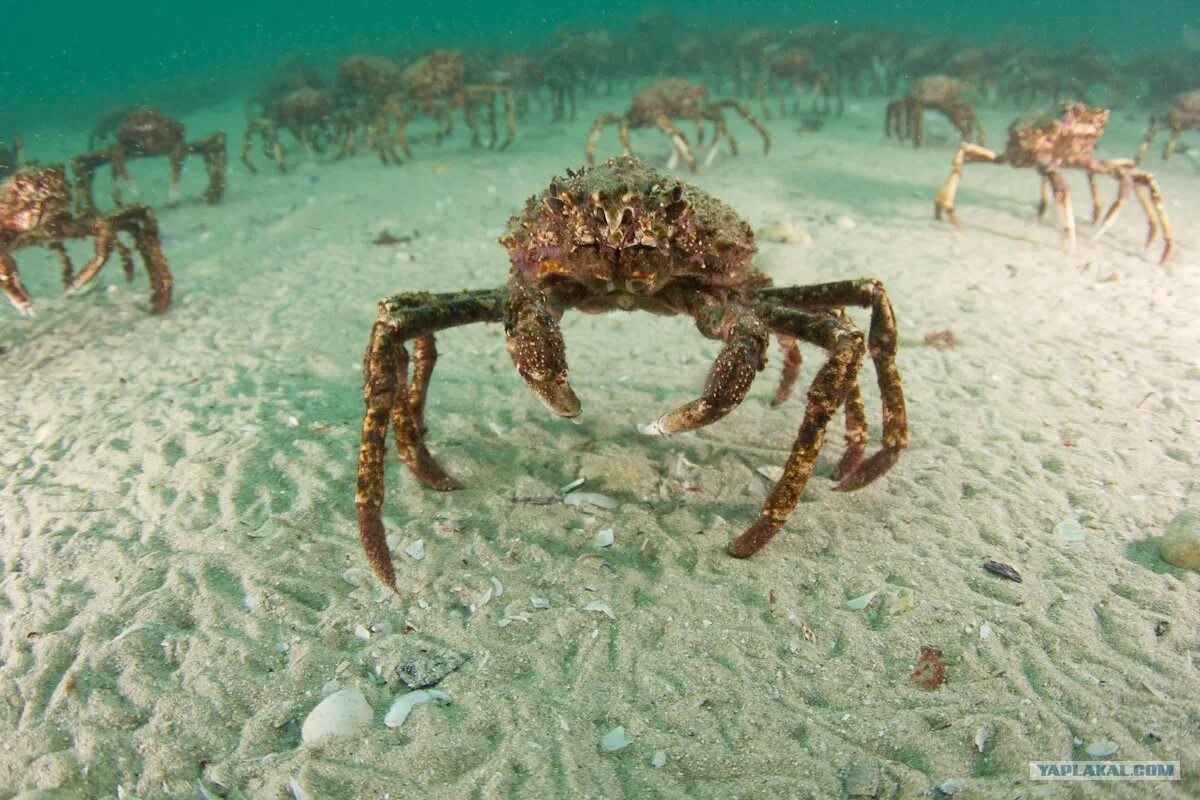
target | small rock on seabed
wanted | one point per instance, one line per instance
(1180, 547)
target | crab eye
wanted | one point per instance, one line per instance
(677, 194)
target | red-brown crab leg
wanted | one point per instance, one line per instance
(680, 143)
(602, 122)
(826, 395)
(535, 343)
(10, 284)
(1132, 181)
(731, 375)
(883, 343)
(390, 399)
(746, 115)
(215, 153)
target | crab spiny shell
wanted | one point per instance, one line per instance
(623, 221)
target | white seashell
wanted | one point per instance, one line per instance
(861, 602)
(486, 598)
(981, 739)
(985, 631)
(1101, 749)
(416, 550)
(660, 759)
(591, 498)
(572, 486)
(540, 603)
(297, 792)
(604, 538)
(496, 429)
(771, 473)
(614, 740)
(361, 632)
(603, 608)
(405, 703)
(340, 714)
(1069, 530)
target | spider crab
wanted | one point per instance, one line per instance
(940, 93)
(1064, 139)
(146, 133)
(794, 67)
(35, 209)
(623, 236)
(309, 113)
(435, 84)
(1183, 115)
(669, 100)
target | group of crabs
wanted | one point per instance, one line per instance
(619, 235)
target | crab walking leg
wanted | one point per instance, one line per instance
(1148, 194)
(746, 115)
(826, 395)
(1151, 132)
(120, 172)
(535, 343)
(177, 155)
(681, 145)
(84, 167)
(729, 379)
(882, 342)
(1062, 199)
(602, 121)
(1044, 201)
(66, 268)
(1094, 189)
(10, 284)
(792, 361)
(139, 222)
(216, 160)
(104, 237)
(967, 152)
(388, 399)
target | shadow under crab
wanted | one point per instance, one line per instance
(623, 236)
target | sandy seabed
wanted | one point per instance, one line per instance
(182, 579)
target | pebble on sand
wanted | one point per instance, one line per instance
(1180, 547)
(614, 740)
(340, 714)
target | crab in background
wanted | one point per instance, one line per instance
(35, 210)
(937, 92)
(1064, 139)
(146, 133)
(675, 99)
(311, 115)
(435, 84)
(794, 67)
(621, 236)
(1183, 115)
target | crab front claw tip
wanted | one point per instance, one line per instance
(652, 429)
(559, 398)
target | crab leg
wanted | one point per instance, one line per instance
(1062, 199)
(602, 121)
(538, 351)
(681, 145)
(828, 392)
(730, 376)
(10, 284)
(882, 341)
(104, 238)
(967, 152)
(1132, 180)
(177, 155)
(140, 223)
(216, 160)
(390, 399)
(746, 115)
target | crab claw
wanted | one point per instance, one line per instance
(536, 345)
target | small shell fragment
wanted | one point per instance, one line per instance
(604, 538)
(591, 498)
(499, 589)
(862, 601)
(981, 739)
(614, 740)
(416, 550)
(572, 486)
(405, 703)
(1101, 749)
(602, 608)
(540, 603)
(771, 472)
(660, 759)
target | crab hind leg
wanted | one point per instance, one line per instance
(142, 226)
(826, 395)
(746, 115)
(10, 284)
(677, 139)
(602, 122)
(390, 400)
(1151, 131)
(215, 153)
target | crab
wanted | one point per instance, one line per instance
(1064, 139)
(939, 92)
(313, 117)
(795, 67)
(672, 99)
(35, 209)
(435, 84)
(146, 133)
(11, 158)
(1183, 115)
(621, 236)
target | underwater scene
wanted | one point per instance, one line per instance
(693, 400)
